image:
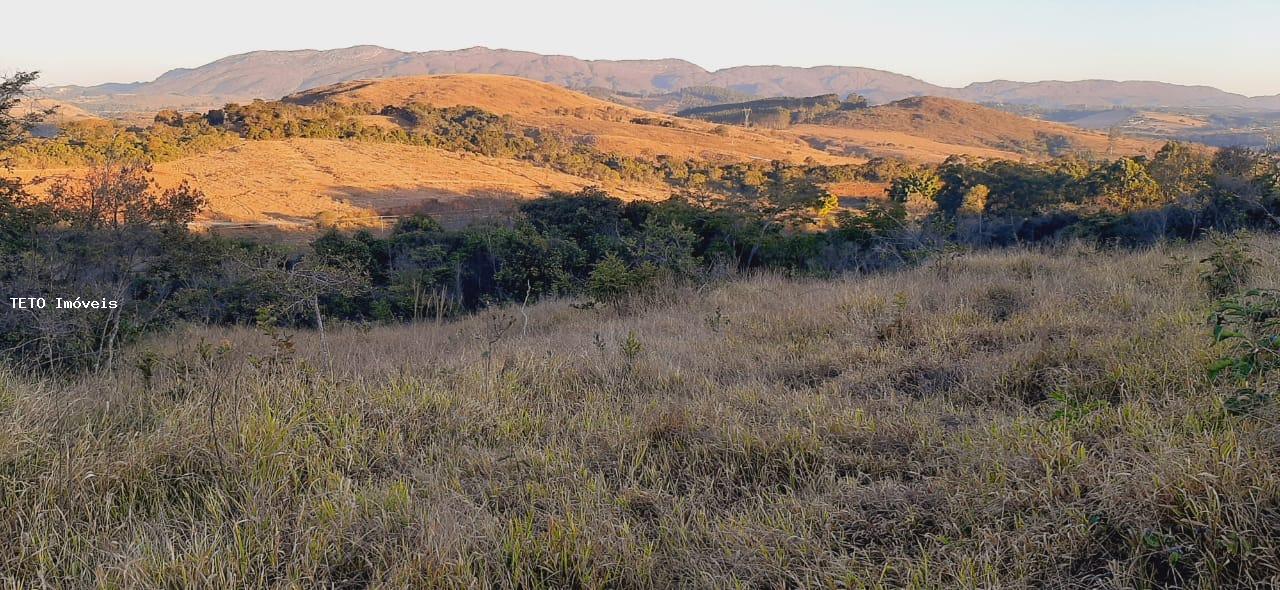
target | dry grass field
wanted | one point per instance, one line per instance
(290, 182)
(995, 420)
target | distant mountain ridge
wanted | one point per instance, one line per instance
(272, 74)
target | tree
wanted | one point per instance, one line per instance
(958, 174)
(169, 117)
(917, 191)
(665, 246)
(1181, 171)
(19, 213)
(13, 127)
(1126, 186)
(301, 284)
(121, 197)
(613, 282)
(975, 200)
(107, 240)
(787, 202)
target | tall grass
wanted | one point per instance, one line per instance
(1001, 420)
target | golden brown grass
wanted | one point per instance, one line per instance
(930, 129)
(1001, 420)
(290, 182)
(607, 126)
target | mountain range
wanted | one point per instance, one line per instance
(272, 74)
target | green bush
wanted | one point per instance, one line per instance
(1248, 327)
(1229, 266)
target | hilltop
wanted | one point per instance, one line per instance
(267, 74)
(1111, 93)
(58, 111)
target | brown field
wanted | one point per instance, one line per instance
(1175, 120)
(998, 420)
(288, 183)
(858, 191)
(606, 125)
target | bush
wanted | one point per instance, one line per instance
(1229, 266)
(613, 282)
(1248, 326)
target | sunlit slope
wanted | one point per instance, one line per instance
(607, 126)
(930, 129)
(291, 182)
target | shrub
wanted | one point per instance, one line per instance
(613, 282)
(1230, 266)
(1248, 326)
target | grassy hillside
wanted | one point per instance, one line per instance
(774, 112)
(288, 183)
(671, 102)
(923, 128)
(962, 123)
(1009, 420)
(607, 126)
(468, 142)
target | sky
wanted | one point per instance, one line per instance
(1230, 44)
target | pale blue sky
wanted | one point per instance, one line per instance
(1231, 44)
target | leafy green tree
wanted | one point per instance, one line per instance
(668, 247)
(1183, 172)
(20, 214)
(924, 183)
(13, 127)
(863, 227)
(917, 192)
(1125, 185)
(613, 282)
(589, 217)
(958, 174)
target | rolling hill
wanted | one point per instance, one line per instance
(919, 128)
(54, 114)
(269, 74)
(607, 126)
(959, 123)
(289, 183)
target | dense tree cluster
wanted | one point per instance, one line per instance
(95, 142)
(1180, 192)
